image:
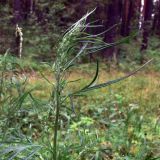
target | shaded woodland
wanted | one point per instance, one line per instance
(49, 19)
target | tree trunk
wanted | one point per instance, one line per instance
(28, 7)
(113, 17)
(136, 14)
(158, 23)
(130, 16)
(18, 11)
(22, 9)
(146, 25)
(156, 19)
(126, 17)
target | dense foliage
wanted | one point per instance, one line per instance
(43, 22)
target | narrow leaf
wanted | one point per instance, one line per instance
(113, 81)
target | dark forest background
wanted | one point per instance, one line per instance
(44, 21)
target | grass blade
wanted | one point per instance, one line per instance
(113, 81)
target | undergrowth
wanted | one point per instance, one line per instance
(68, 124)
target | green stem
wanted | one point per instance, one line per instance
(1, 87)
(57, 99)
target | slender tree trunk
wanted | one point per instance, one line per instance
(136, 13)
(27, 8)
(130, 16)
(126, 17)
(113, 10)
(18, 11)
(146, 26)
(158, 23)
(156, 19)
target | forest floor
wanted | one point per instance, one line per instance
(143, 86)
(142, 90)
(125, 115)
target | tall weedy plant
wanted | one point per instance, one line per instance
(75, 43)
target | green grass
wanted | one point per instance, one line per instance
(114, 122)
(118, 121)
